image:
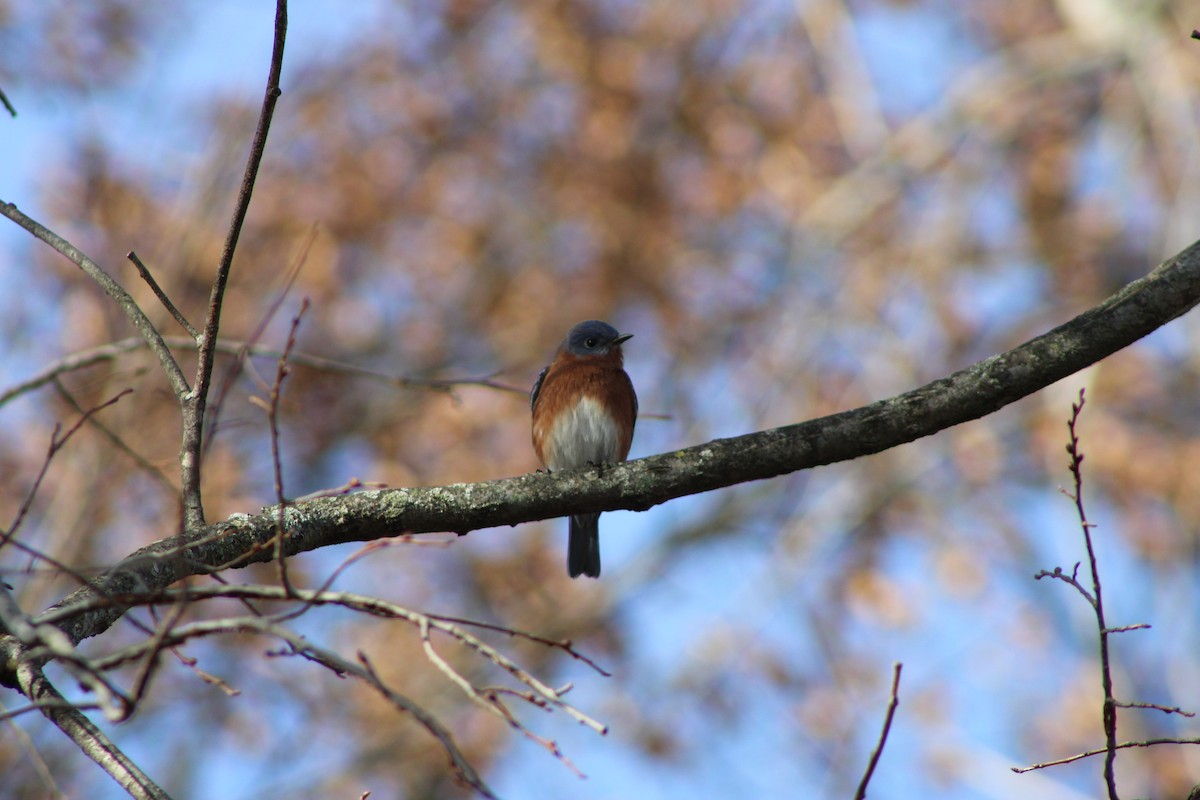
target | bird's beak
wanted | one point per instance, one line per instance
(624, 337)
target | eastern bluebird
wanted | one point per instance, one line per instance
(584, 409)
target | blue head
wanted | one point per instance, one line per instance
(593, 338)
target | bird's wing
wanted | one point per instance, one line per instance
(537, 388)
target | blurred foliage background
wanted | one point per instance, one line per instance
(797, 208)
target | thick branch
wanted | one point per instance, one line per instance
(1166, 293)
(91, 740)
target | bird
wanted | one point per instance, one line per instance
(584, 410)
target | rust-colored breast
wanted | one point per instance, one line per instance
(567, 381)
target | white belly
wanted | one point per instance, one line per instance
(584, 434)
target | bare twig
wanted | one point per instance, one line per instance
(193, 412)
(57, 442)
(114, 290)
(1102, 751)
(367, 673)
(566, 645)
(35, 759)
(71, 363)
(370, 605)
(272, 406)
(893, 702)
(7, 105)
(146, 669)
(1072, 579)
(489, 699)
(1095, 598)
(1157, 707)
(96, 355)
(90, 739)
(78, 726)
(33, 643)
(347, 487)
(240, 363)
(208, 678)
(1109, 712)
(161, 295)
(146, 466)
(28, 708)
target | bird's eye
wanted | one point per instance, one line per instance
(591, 342)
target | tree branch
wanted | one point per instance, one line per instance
(893, 702)
(8, 106)
(1102, 751)
(1136, 310)
(161, 295)
(1109, 708)
(91, 740)
(193, 412)
(114, 290)
(239, 349)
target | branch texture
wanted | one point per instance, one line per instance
(81, 730)
(1136, 310)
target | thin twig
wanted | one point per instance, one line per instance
(144, 463)
(193, 425)
(1095, 598)
(132, 310)
(34, 643)
(240, 362)
(1109, 711)
(212, 680)
(157, 643)
(887, 726)
(81, 730)
(56, 443)
(35, 758)
(1100, 751)
(1157, 707)
(70, 363)
(7, 105)
(540, 695)
(363, 603)
(273, 422)
(346, 488)
(566, 645)
(368, 674)
(298, 646)
(13, 713)
(1072, 579)
(161, 295)
(489, 700)
(92, 356)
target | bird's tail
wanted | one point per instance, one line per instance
(583, 547)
